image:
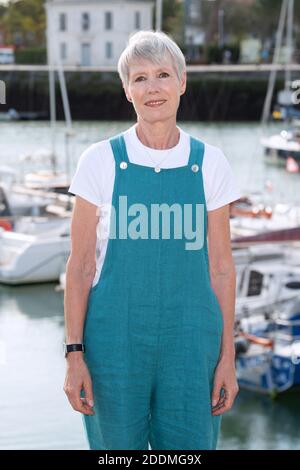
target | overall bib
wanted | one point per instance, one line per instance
(153, 324)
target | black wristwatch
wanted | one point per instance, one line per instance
(73, 347)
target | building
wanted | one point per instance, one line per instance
(93, 32)
(193, 32)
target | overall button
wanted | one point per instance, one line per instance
(195, 168)
(123, 165)
(157, 169)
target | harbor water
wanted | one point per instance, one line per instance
(34, 410)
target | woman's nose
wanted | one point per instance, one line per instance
(153, 84)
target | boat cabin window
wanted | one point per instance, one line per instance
(293, 285)
(255, 283)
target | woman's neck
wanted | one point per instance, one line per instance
(158, 137)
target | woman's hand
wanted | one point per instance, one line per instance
(78, 378)
(225, 377)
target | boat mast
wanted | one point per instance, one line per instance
(66, 105)
(273, 73)
(51, 73)
(289, 43)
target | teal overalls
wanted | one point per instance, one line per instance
(153, 324)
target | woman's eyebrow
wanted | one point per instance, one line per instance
(141, 72)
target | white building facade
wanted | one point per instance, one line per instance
(93, 32)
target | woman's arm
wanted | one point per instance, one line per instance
(81, 266)
(80, 272)
(222, 272)
(223, 281)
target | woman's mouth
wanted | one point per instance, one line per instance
(155, 103)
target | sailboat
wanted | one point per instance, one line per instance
(34, 247)
(52, 179)
(283, 148)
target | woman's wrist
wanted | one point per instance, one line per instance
(75, 356)
(228, 353)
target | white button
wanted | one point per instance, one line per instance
(195, 168)
(123, 165)
(157, 169)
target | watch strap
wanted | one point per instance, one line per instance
(74, 347)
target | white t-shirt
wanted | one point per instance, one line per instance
(95, 174)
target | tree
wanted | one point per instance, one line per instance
(244, 18)
(23, 23)
(172, 18)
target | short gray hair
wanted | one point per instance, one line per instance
(153, 46)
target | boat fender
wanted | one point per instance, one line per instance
(6, 225)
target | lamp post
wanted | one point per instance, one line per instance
(158, 16)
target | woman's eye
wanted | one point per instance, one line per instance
(165, 74)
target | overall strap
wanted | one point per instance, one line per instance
(119, 149)
(196, 152)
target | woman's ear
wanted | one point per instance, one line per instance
(183, 83)
(126, 93)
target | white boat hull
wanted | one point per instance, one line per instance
(26, 259)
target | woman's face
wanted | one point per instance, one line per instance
(154, 90)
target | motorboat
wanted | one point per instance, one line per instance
(38, 255)
(268, 350)
(282, 224)
(283, 148)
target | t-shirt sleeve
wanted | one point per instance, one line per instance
(222, 186)
(86, 181)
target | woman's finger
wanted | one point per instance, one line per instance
(216, 394)
(227, 403)
(85, 407)
(88, 392)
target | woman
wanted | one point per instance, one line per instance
(154, 309)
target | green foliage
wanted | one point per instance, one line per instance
(215, 53)
(173, 13)
(31, 55)
(23, 23)
(241, 20)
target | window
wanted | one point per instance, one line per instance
(62, 22)
(137, 20)
(255, 283)
(86, 54)
(108, 20)
(108, 50)
(85, 21)
(63, 51)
